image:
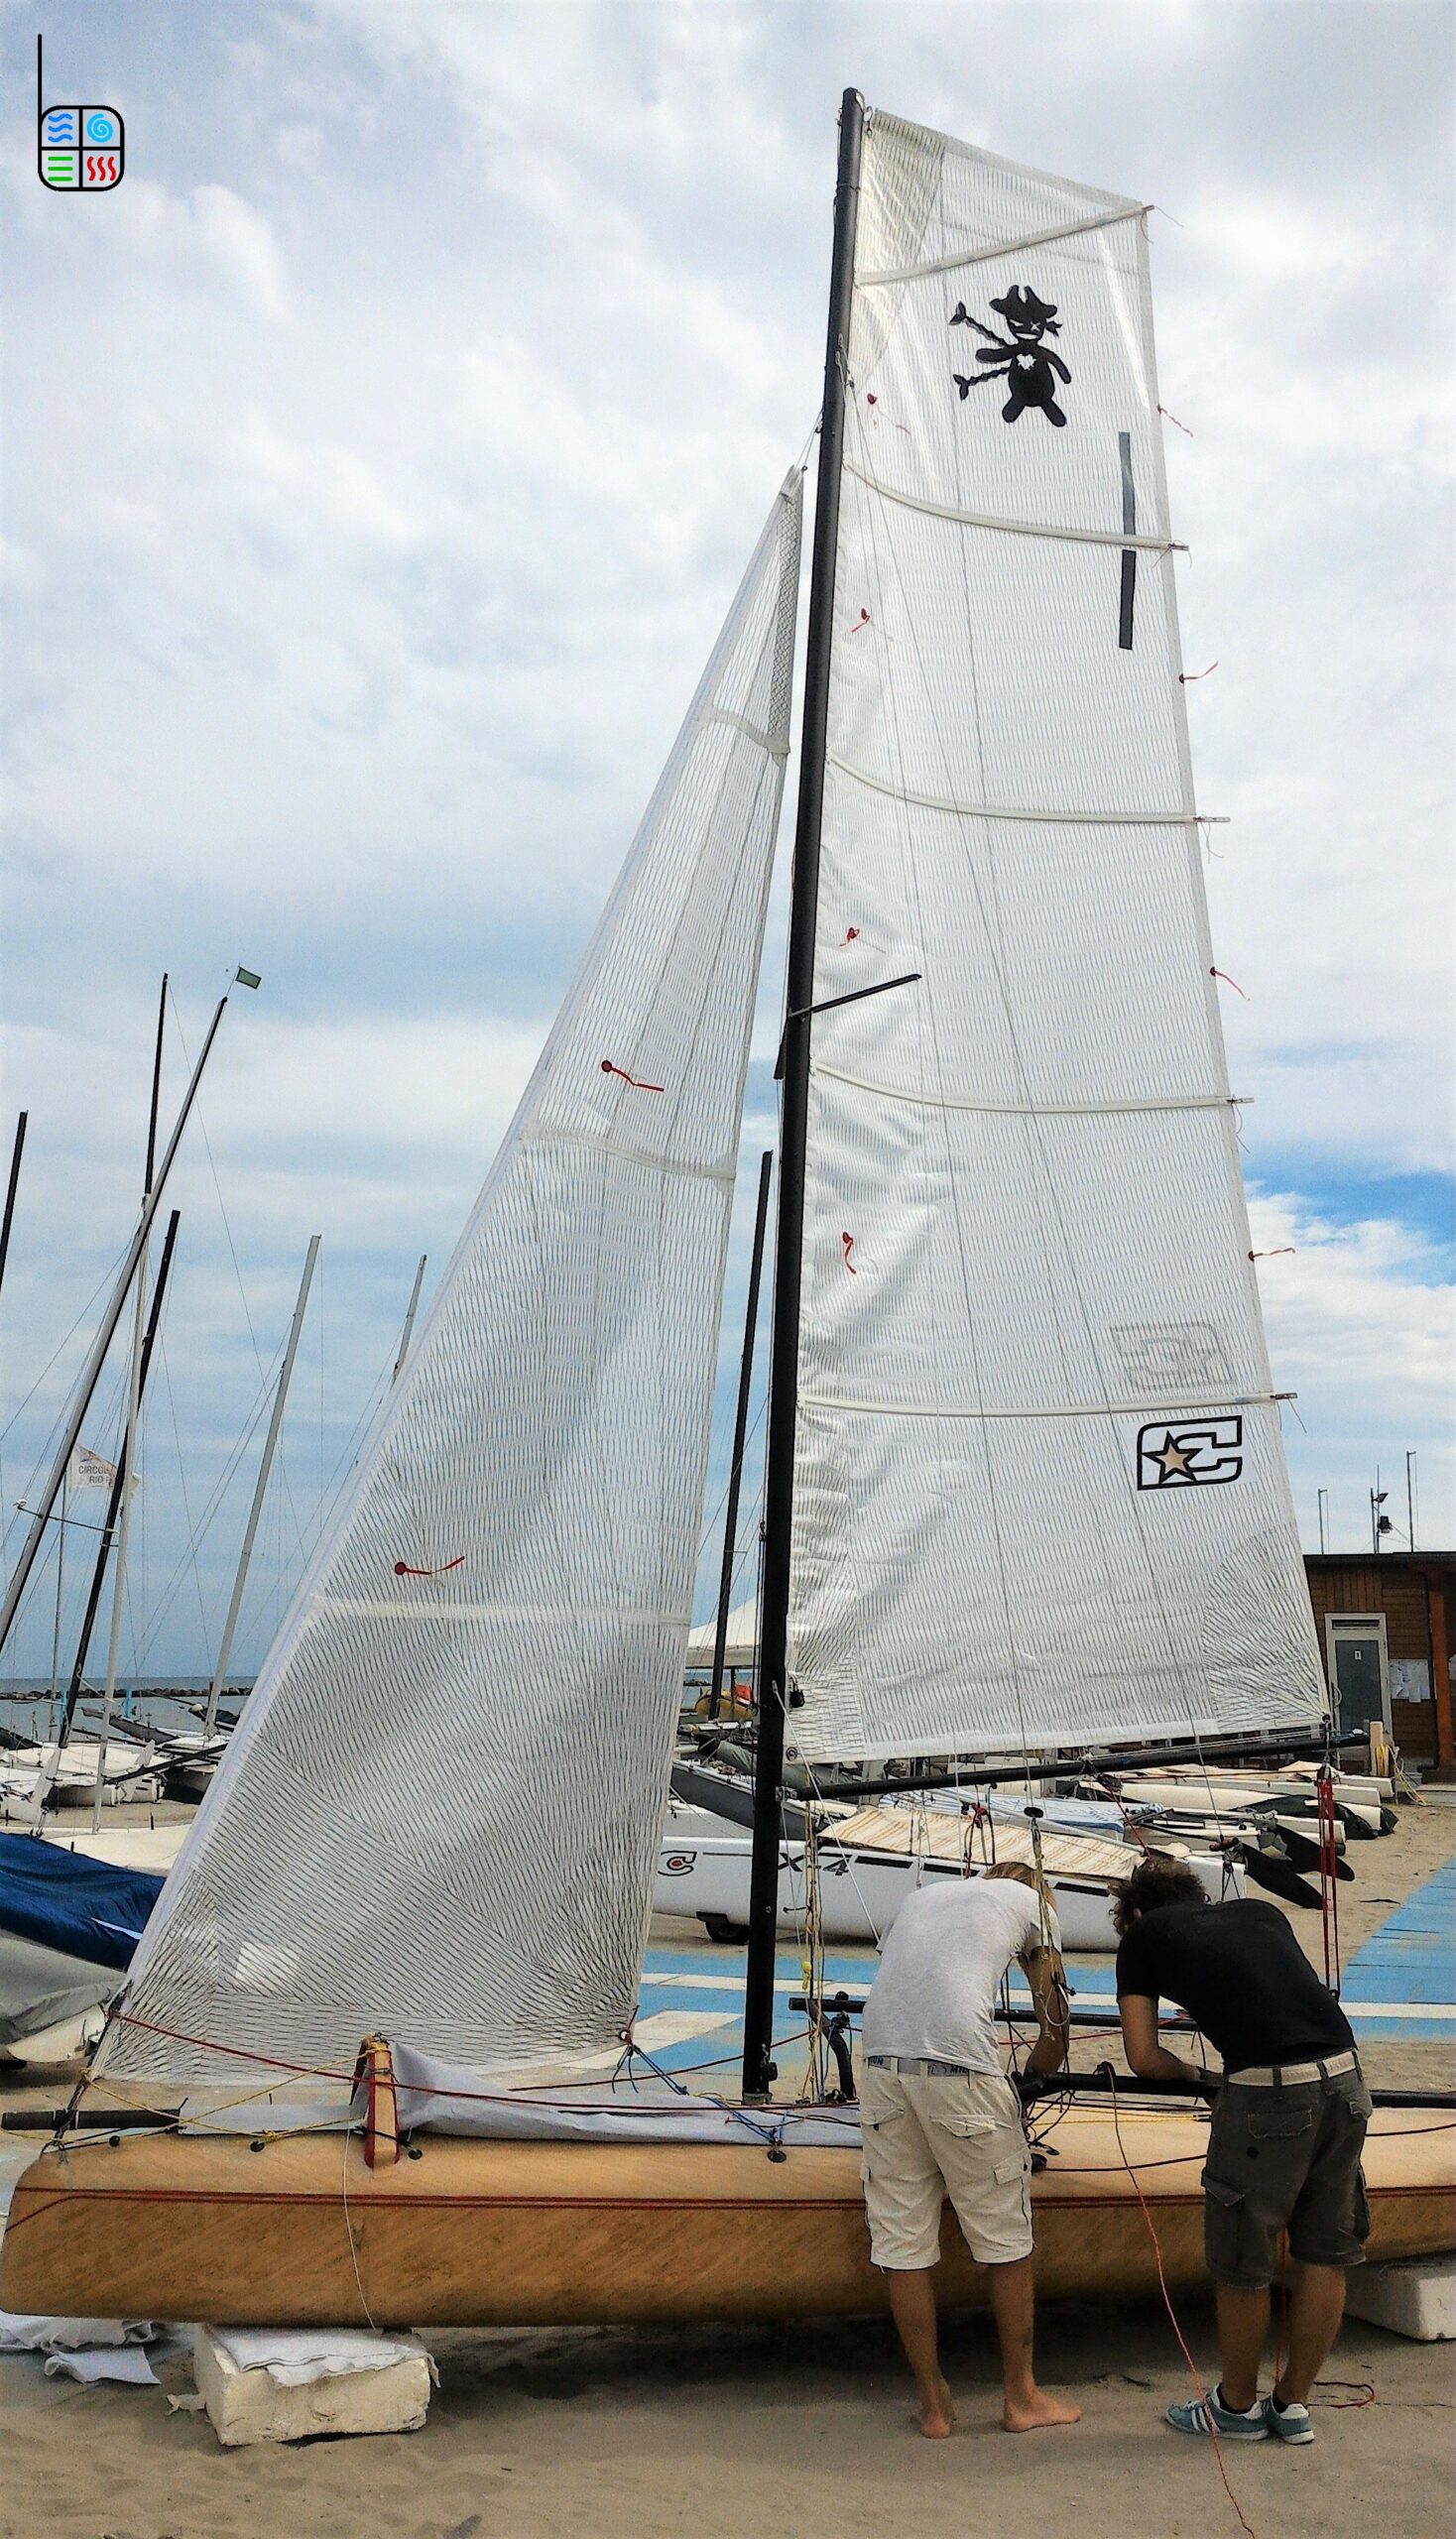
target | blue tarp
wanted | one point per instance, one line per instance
(67, 1901)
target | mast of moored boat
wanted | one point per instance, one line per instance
(740, 1436)
(259, 1486)
(11, 1186)
(96, 1357)
(773, 1676)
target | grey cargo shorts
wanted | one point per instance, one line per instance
(1285, 2158)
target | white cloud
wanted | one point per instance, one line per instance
(1362, 1327)
(352, 612)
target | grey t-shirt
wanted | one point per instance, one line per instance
(948, 1948)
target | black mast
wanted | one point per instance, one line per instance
(757, 2004)
(740, 1432)
(10, 1189)
(123, 1469)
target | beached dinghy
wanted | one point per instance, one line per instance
(642, 2216)
(1024, 1456)
(867, 1864)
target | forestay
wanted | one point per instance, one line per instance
(1041, 1494)
(438, 1817)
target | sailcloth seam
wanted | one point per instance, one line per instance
(553, 1134)
(751, 731)
(408, 1610)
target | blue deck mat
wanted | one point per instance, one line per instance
(1412, 1958)
(1401, 1984)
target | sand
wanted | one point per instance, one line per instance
(605, 2434)
(538, 2437)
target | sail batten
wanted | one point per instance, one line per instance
(1112, 1108)
(438, 1816)
(1121, 538)
(1010, 811)
(1005, 247)
(1040, 1492)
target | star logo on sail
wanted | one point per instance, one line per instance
(1029, 367)
(1187, 1453)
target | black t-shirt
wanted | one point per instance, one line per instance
(1240, 1975)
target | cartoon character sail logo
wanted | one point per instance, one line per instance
(1180, 1454)
(79, 150)
(1028, 366)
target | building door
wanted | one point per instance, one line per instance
(1360, 1670)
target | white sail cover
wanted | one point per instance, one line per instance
(438, 1817)
(1040, 1496)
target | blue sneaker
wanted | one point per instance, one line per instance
(1290, 2423)
(1205, 2415)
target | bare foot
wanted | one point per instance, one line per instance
(937, 2415)
(1031, 2415)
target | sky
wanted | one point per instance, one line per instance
(381, 457)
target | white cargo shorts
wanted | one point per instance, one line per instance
(927, 2136)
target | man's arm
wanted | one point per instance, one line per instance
(1048, 1978)
(1150, 2060)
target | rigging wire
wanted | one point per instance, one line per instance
(236, 1265)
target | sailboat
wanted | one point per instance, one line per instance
(1023, 1455)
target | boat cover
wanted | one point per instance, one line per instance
(441, 2097)
(67, 1901)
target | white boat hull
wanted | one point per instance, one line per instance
(860, 1892)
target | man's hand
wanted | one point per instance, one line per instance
(1046, 1977)
(1145, 2056)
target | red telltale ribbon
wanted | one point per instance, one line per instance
(635, 1081)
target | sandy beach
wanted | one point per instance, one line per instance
(692, 2436)
(699, 2433)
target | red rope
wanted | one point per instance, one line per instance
(848, 1242)
(863, 619)
(1191, 679)
(235, 2053)
(1228, 982)
(1172, 419)
(404, 1570)
(1246, 2526)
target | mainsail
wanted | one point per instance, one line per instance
(1040, 1490)
(440, 1816)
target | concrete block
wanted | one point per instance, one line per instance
(245, 2406)
(1415, 2297)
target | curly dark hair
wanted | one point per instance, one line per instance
(1155, 1881)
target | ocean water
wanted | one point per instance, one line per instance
(168, 1703)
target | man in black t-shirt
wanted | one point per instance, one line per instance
(1287, 2131)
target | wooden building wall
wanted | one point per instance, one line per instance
(1414, 1603)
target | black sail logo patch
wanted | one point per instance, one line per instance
(1186, 1453)
(1026, 363)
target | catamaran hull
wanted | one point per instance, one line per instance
(300, 2231)
(861, 1891)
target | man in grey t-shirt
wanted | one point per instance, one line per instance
(940, 2117)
